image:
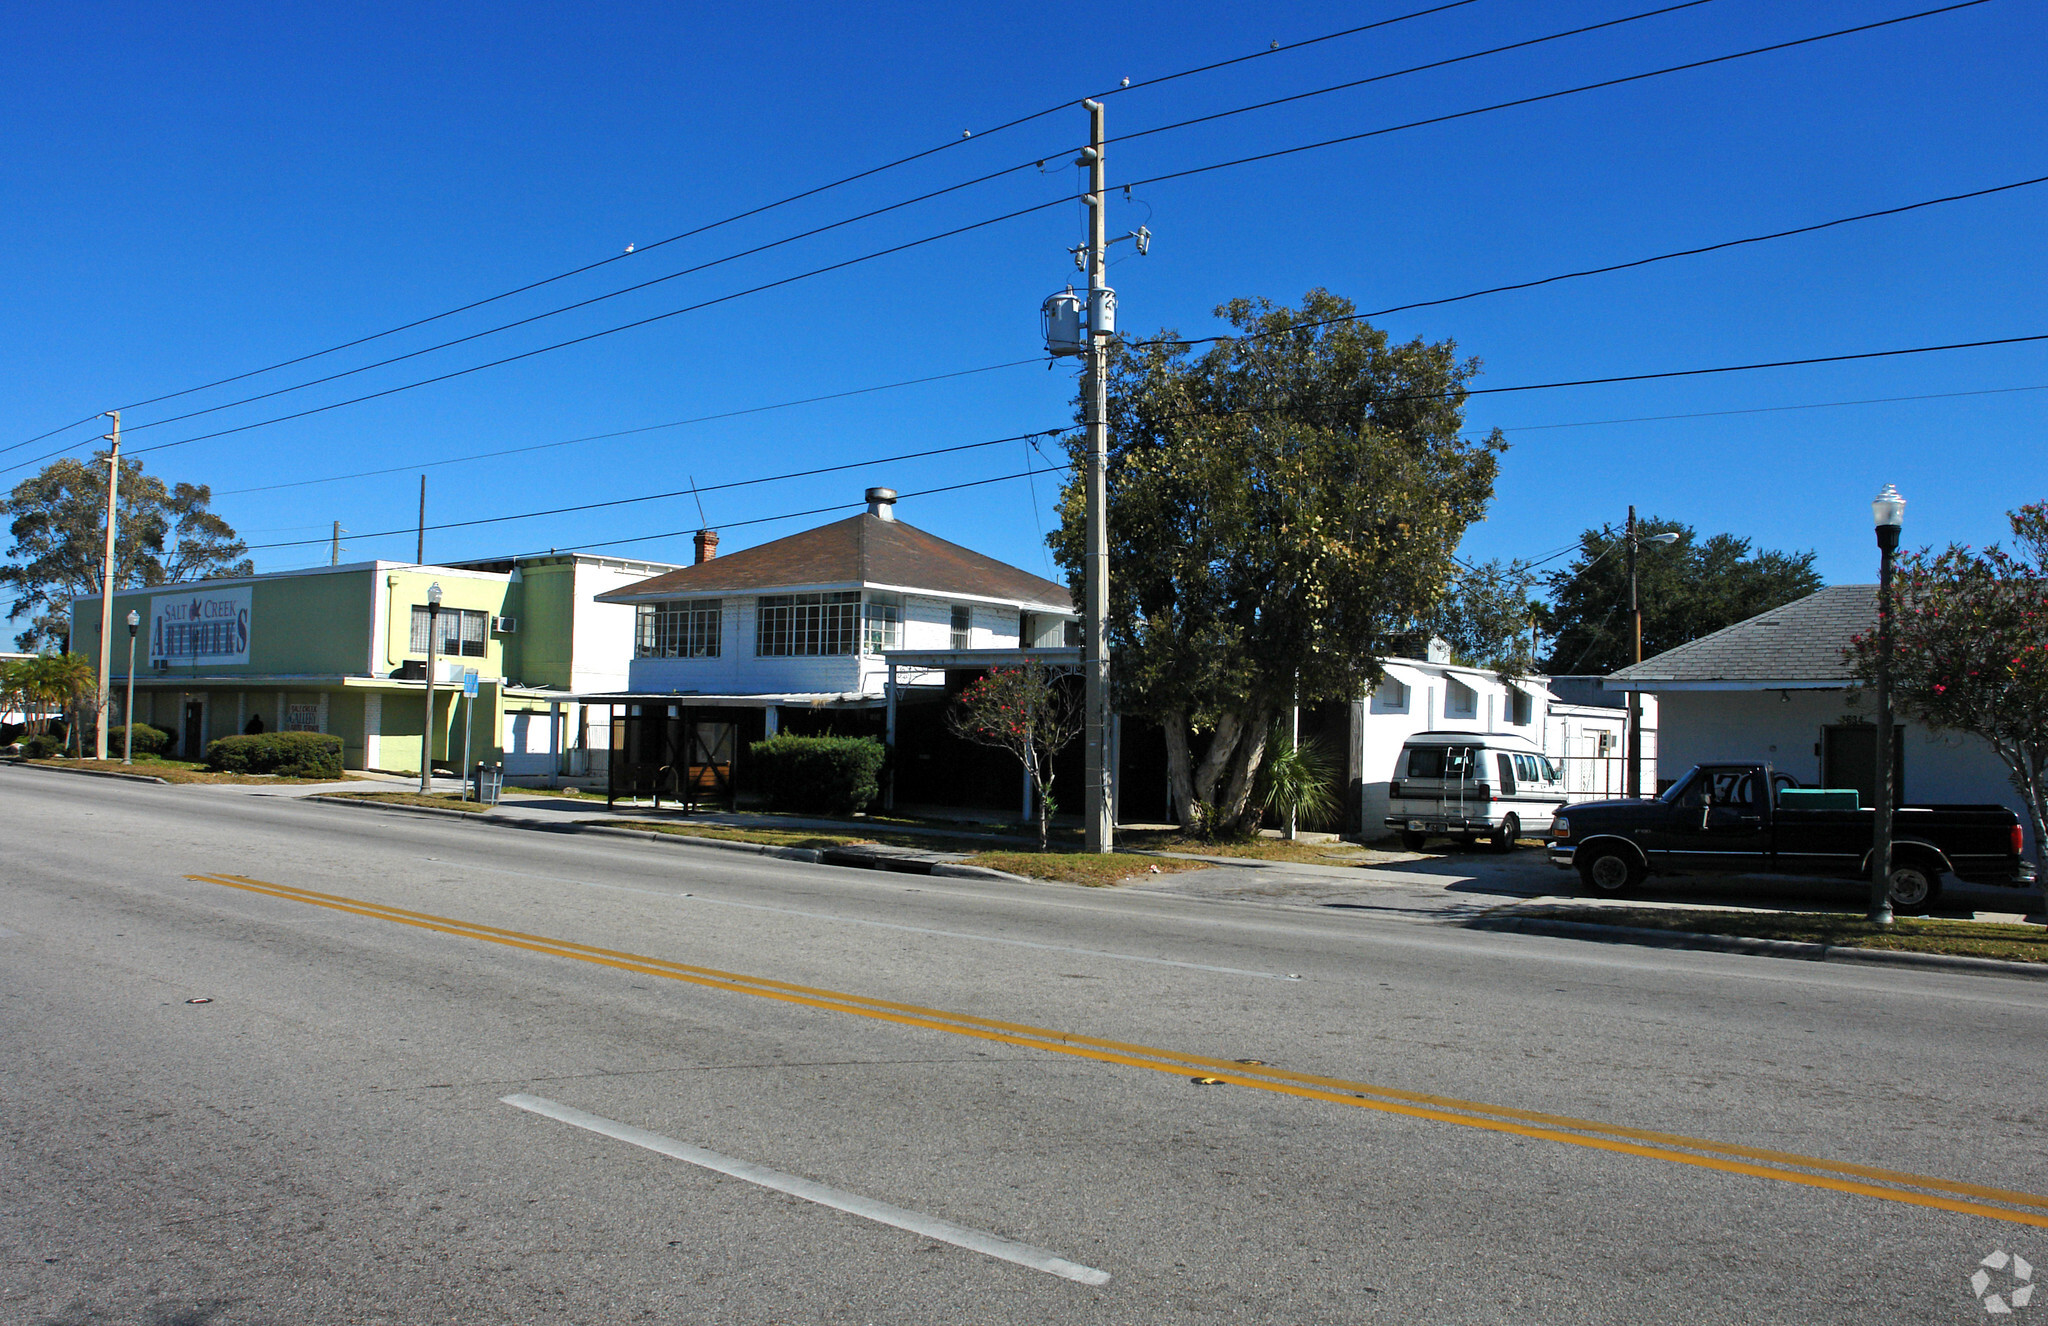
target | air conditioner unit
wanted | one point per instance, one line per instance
(504, 625)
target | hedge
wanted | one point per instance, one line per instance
(44, 747)
(819, 775)
(286, 754)
(148, 740)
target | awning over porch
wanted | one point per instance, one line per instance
(703, 700)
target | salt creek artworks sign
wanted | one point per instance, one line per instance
(203, 628)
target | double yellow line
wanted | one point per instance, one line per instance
(1784, 1167)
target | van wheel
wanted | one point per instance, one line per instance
(1610, 871)
(1412, 840)
(1914, 887)
(1504, 840)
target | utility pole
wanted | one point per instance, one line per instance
(1634, 773)
(107, 584)
(334, 557)
(1099, 828)
(419, 556)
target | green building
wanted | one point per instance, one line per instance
(343, 649)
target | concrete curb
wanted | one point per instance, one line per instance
(93, 773)
(841, 856)
(1768, 948)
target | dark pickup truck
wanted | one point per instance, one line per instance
(1738, 819)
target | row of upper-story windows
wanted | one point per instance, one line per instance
(787, 626)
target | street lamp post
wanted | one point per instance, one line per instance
(1888, 513)
(128, 711)
(427, 732)
(1633, 775)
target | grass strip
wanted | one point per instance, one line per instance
(766, 837)
(1909, 934)
(1095, 869)
(436, 800)
(172, 771)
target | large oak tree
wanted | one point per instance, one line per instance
(1282, 507)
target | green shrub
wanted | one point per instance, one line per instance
(819, 775)
(148, 740)
(286, 754)
(44, 747)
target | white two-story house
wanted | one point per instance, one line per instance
(792, 634)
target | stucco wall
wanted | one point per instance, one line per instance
(1784, 727)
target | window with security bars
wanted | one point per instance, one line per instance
(463, 633)
(690, 629)
(963, 628)
(884, 614)
(805, 625)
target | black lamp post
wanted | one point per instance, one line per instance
(128, 713)
(427, 732)
(1887, 512)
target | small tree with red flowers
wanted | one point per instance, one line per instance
(1970, 649)
(1029, 711)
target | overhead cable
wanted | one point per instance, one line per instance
(630, 432)
(1601, 271)
(851, 220)
(679, 492)
(1277, 48)
(1549, 96)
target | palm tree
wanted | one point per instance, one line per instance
(49, 684)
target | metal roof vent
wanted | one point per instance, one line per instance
(882, 503)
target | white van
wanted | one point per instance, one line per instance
(1472, 785)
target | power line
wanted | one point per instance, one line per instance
(1411, 69)
(1770, 409)
(578, 340)
(1611, 267)
(1961, 4)
(1382, 400)
(680, 492)
(1398, 308)
(847, 221)
(627, 432)
(758, 520)
(1277, 48)
(1550, 96)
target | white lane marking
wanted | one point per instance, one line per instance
(945, 1231)
(878, 925)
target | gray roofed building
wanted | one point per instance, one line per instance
(1799, 646)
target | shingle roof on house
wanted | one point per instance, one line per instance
(861, 550)
(1802, 641)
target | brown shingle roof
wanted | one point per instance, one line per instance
(861, 550)
(1802, 641)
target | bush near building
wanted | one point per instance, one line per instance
(148, 740)
(285, 754)
(819, 775)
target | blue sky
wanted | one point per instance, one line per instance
(195, 193)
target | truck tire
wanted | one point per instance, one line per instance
(1504, 839)
(1412, 840)
(1610, 870)
(1914, 886)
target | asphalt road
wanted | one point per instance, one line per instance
(1002, 1074)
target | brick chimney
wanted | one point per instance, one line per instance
(707, 545)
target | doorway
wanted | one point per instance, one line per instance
(1848, 758)
(195, 729)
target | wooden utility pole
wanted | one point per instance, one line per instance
(419, 556)
(1098, 817)
(334, 555)
(107, 586)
